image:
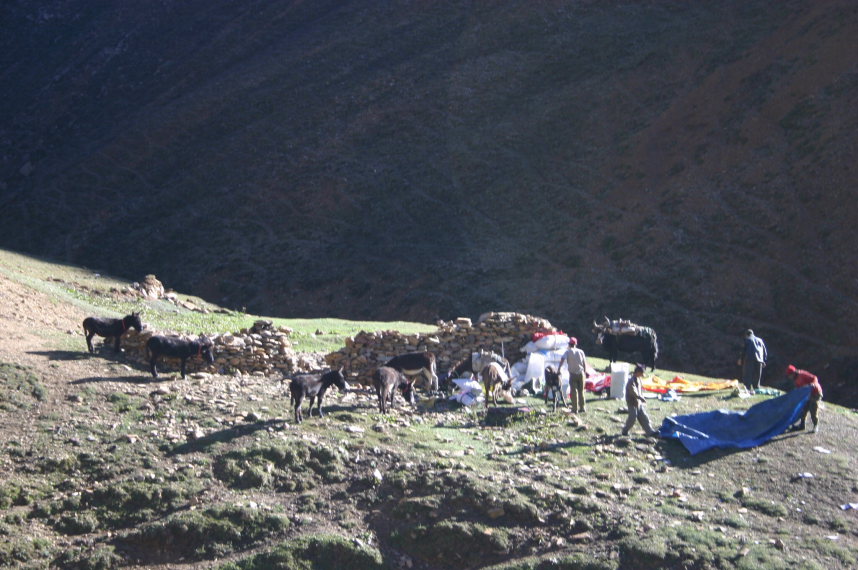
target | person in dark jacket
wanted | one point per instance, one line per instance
(752, 360)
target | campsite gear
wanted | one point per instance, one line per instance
(683, 386)
(731, 429)
(619, 377)
(669, 396)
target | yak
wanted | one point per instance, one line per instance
(631, 339)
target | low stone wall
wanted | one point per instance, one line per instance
(265, 350)
(499, 332)
(260, 349)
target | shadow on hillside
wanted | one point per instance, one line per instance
(552, 447)
(222, 436)
(61, 354)
(327, 408)
(679, 457)
(138, 379)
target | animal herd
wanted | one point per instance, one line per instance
(157, 345)
(397, 375)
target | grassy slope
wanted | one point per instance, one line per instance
(125, 471)
(97, 294)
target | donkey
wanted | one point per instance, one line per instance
(176, 347)
(387, 380)
(555, 385)
(313, 387)
(474, 364)
(107, 328)
(417, 363)
(495, 379)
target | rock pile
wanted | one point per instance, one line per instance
(150, 287)
(503, 333)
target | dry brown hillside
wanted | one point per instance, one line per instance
(689, 166)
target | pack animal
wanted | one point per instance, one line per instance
(417, 364)
(387, 381)
(642, 340)
(474, 364)
(176, 347)
(108, 328)
(554, 384)
(494, 379)
(313, 387)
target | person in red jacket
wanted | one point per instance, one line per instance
(805, 378)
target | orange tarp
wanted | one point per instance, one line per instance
(681, 385)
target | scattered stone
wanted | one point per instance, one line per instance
(377, 476)
(194, 434)
(496, 512)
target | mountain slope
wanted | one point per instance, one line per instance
(687, 166)
(106, 467)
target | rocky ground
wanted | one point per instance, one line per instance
(106, 467)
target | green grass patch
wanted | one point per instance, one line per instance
(20, 388)
(321, 552)
(25, 552)
(209, 533)
(765, 506)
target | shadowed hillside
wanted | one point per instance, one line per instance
(689, 166)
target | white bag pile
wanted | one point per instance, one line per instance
(468, 391)
(530, 371)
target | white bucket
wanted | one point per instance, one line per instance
(619, 377)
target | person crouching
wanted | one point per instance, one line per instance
(636, 403)
(805, 378)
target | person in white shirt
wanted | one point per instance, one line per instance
(576, 363)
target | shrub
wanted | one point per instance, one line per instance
(98, 558)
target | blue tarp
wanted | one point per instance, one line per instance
(729, 428)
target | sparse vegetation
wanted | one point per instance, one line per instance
(116, 472)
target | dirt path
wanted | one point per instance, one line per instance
(30, 322)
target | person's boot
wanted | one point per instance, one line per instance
(815, 428)
(798, 427)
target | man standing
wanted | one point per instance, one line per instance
(805, 378)
(576, 363)
(636, 403)
(752, 360)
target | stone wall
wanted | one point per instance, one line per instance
(260, 349)
(499, 332)
(266, 350)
